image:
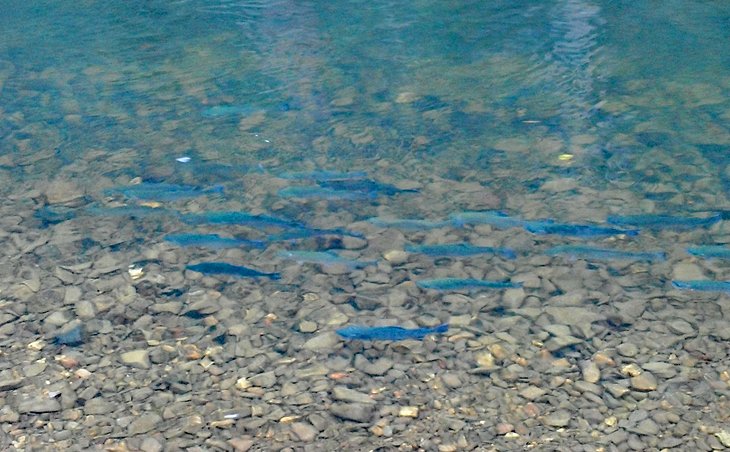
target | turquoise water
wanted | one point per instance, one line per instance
(561, 111)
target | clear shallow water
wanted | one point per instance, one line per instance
(571, 110)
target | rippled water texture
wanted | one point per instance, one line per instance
(197, 195)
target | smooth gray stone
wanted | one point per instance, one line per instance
(560, 418)
(346, 394)
(144, 423)
(10, 383)
(264, 380)
(357, 412)
(39, 406)
(99, 406)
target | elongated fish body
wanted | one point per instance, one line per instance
(461, 284)
(323, 258)
(224, 268)
(365, 185)
(240, 218)
(324, 175)
(590, 252)
(212, 241)
(305, 233)
(710, 251)
(389, 333)
(459, 249)
(657, 222)
(217, 111)
(703, 285)
(308, 192)
(131, 211)
(499, 220)
(576, 230)
(162, 192)
(407, 224)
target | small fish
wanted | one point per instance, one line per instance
(657, 222)
(703, 285)
(54, 214)
(576, 230)
(131, 211)
(389, 333)
(324, 175)
(710, 251)
(365, 185)
(322, 258)
(216, 111)
(305, 233)
(212, 241)
(459, 249)
(407, 223)
(499, 220)
(224, 268)
(461, 284)
(308, 192)
(240, 218)
(162, 191)
(590, 252)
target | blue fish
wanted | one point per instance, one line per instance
(590, 252)
(54, 214)
(131, 211)
(657, 222)
(322, 258)
(224, 268)
(366, 185)
(459, 249)
(240, 218)
(212, 241)
(703, 285)
(389, 333)
(407, 223)
(305, 233)
(576, 230)
(216, 111)
(497, 219)
(324, 175)
(309, 192)
(461, 284)
(710, 251)
(162, 191)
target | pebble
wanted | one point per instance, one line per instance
(150, 444)
(646, 427)
(307, 326)
(560, 418)
(408, 411)
(627, 349)
(532, 392)
(591, 372)
(645, 381)
(39, 405)
(451, 380)
(136, 358)
(358, 412)
(144, 423)
(680, 327)
(687, 271)
(396, 257)
(346, 394)
(375, 368)
(304, 431)
(6, 384)
(324, 341)
(98, 405)
(264, 380)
